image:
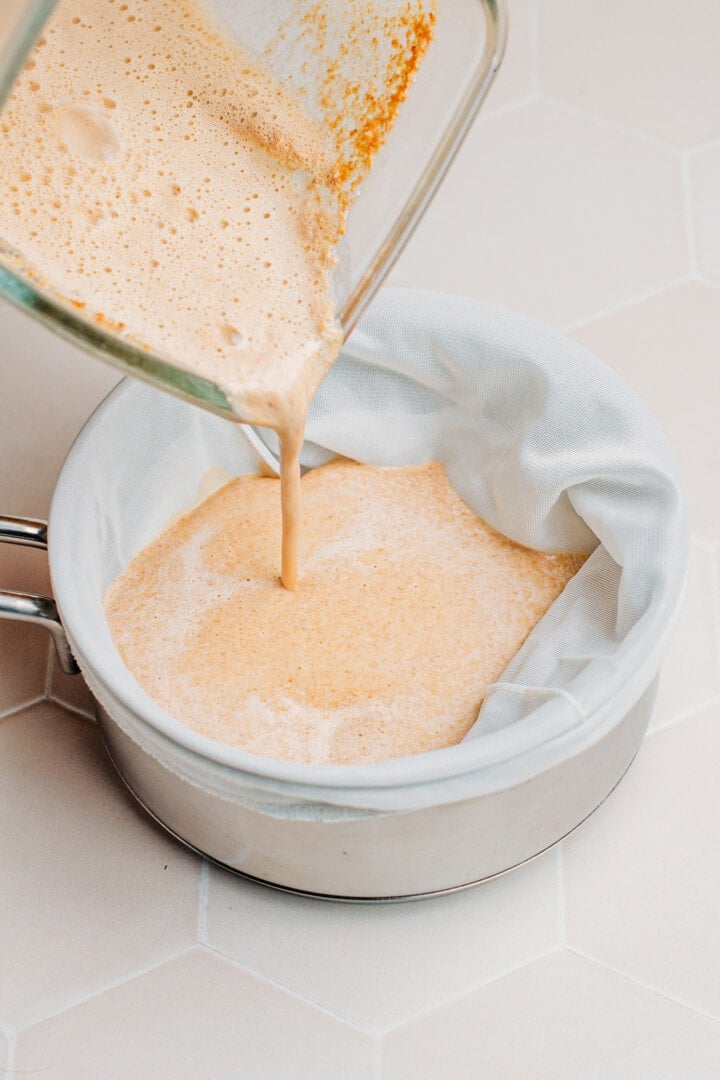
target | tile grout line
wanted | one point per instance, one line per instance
(66, 705)
(624, 305)
(560, 888)
(271, 981)
(49, 668)
(702, 148)
(688, 214)
(504, 974)
(202, 901)
(14, 709)
(378, 1043)
(629, 132)
(681, 717)
(505, 110)
(114, 985)
(10, 1063)
(76, 709)
(712, 283)
(644, 985)
(72, 709)
(49, 696)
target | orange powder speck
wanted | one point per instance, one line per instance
(359, 100)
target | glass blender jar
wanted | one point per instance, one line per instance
(443, 99)
(441, 103)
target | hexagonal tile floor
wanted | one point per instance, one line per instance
(587, 195)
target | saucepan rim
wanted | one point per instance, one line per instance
(512, 752)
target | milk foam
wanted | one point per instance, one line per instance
(164, 184)
(408, 607)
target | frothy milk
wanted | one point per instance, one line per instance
(409, 606)
(168, 189)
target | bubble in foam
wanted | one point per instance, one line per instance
(85, 134)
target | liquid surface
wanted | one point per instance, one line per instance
(409, 606)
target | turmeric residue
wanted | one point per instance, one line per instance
(373, 111)
(111, 325)
(360, 60)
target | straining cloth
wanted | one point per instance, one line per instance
(540, 439)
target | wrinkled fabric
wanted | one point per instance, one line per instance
(542, 440)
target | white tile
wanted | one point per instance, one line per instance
(195, 1017)
(70, 691)
(95, 890)
(517, 75)
(561, 1018)
(552, 214)
(49, 388)
(705, 201)
(377, 965)
(642, 878)
(4, 1047)
(560, 216)
(24, 569)
(666, 348)
(24, 649)
(23, 664)
(646, 65)
(690, 675)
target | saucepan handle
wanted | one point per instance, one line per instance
(27, 607)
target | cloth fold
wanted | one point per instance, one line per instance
(542, 440)
(546, 444)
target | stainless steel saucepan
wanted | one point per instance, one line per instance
(406, 828)
(244, 822)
